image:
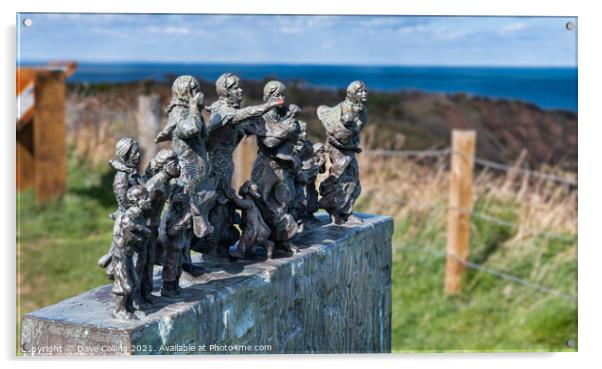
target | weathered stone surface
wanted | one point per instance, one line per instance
(332, 297)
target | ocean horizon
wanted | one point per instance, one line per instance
(546, 87)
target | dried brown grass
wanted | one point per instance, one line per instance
(398, 185)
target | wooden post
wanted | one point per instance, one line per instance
(460, 207)
(149, 125)
(50, 156)
(25, 157)
(244, 157)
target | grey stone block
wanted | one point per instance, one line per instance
(332, 297)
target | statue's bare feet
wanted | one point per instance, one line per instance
(337, 220)
(289, 247)
(123, 314)
(354, 220)
(270, 251)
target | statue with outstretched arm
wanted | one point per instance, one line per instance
(276, 167)
(226, 129)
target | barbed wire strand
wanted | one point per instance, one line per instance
(494, 272)
(507, 168)
(408, 153)
(477, 160)
(479, 215)
(502, 222)
(534, 173)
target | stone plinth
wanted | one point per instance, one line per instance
(334, 296)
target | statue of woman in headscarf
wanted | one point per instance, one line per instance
(188, 134)
(343, 124)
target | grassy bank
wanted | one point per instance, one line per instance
(59, 244)
(492, 312)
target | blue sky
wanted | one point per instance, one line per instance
(362, 40)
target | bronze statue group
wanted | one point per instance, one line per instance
(184, 200)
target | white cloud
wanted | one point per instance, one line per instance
(108, 31)
(453, 35)
(171, 30)
(512, 28)
(290, 29)
(411, 29)
(449, 34)
(381, 21)
(298, 24)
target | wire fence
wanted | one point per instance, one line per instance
(529, 172)
(480, 161)
(487, 217)
(409, 153)
(505, 223)
(491, 271)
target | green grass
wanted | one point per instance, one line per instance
(60, 242)
(491, 314)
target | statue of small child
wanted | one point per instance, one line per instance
(254, 229)
(178, 232)
(126, 162)
(159, 189)
(313, 162)
(131, 233)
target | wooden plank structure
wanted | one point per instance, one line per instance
(41, 151)
(460, 207)
(244, 156)
(148, 118)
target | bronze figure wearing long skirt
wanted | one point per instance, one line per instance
(343, 124)
(126, 162)
(129, 236)
(276, 165)
(188, 134)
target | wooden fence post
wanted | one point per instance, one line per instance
(244, 157)
(460, 207)
(149, 125)
(26, 175)
(50, 158)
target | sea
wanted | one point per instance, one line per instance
(548, 88)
